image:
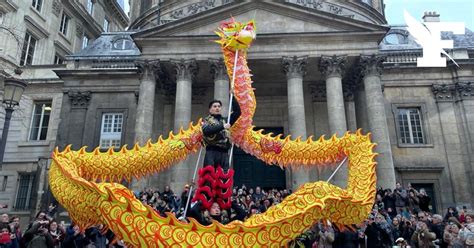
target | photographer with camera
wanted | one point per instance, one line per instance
(401, 197)
(377, 232)
(16, 234)
(57, 232)
(74, 237)
(466, 234)
(422, 236)
(37, 235)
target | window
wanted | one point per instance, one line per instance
(369, 2)
(90, 6)
(395, 39)
(85, 42)
(40, 121)
(111, 130)
(58, 59)
(106, 25)
(37, 4)
(28, 50)
(64, 24)
(123, 44)
(24, 197)
(410, 126)
(4, 183)
(1, 18)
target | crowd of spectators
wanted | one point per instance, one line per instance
(401, 217)
(45, 232)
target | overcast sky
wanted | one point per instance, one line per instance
(449, 10)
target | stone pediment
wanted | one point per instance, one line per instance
(271, 18)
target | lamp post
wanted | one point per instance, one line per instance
(13, 90)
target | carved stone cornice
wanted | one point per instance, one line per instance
(148, 69)
(444, 92)
(294, 66)
(186, 69)
(332, 66)
(218, 69)
(167, 88)
(56, 8)
(79, 99)
(79, 30)
(318, 92)
(465, 90)
(371, 65)
(348, 90)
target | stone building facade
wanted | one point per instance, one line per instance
(319, 68)
(37, 36)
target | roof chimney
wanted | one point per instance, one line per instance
(431, 16)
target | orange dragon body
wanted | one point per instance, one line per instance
(73, 177)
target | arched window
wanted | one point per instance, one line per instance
(395, 39)
(122, 44)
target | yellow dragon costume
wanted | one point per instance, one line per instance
(74, 177)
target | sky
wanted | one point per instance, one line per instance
(449, 10)
(126, 7)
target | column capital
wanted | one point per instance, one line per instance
(218, 69)
(444, 92)
(332, 66)
(465, 90)
(186, 69)
(371, 65)
(349, 89)
(294, 66)
(148, 69)
(318, 92)
(79, 99)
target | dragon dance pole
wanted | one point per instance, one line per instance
(230, 101)
(191, 187)
(338, 167)
(228, 120)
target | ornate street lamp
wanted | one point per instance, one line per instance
(13, 90)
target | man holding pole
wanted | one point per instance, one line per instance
(217, 136)
(215, 178)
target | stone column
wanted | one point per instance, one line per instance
(79, 101)
(450, 134)
(371, 69)
(146, 100)
(221, 83)
(465, 92)
(295, 68)
(2, 93)
(349, 89)
(185, 70)
(332, 69)
(147, 71)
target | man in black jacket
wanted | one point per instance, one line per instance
(216, 134)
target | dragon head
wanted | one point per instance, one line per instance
(236, 35)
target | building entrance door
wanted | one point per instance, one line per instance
(253, 172)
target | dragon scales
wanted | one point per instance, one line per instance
(74, 177)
